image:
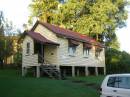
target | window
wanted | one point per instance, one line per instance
(119, 82)
(28, 48)
(97, 54)
(86, 49)
(124, 82)
(86, 52)
(112, 82)
(97, 51)
(72, 50)
(72, 47)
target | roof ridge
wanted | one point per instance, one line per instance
(67, 33)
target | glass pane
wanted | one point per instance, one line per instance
(71, 51)
(28, 48)
(124, 82)
(113, 82)
(86, 52)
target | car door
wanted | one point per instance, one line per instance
(111, 89)
(123, 89)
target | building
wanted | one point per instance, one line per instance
(13, 45)
(70, 52)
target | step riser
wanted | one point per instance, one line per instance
(51, 71)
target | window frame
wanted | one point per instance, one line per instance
(97, 54)
(72, 50)
(86, 52)
(28, 48)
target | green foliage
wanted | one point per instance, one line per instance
(44, 9)
(1, 24)
(6, 46)
(18, 59)
(117, 61)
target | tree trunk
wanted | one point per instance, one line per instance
(1, 64)
(97, 37)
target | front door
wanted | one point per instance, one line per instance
(39, 49)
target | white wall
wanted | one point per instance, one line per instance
(29, 59)
(78, 60)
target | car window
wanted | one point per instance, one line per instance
(119, 82)
(113, 82)
(124, 82)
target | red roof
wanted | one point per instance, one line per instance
(67, 33)
(38, 37)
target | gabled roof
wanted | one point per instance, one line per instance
(67, 33)
(38, 37)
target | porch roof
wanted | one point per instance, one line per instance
(38, 37)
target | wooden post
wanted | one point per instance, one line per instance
(64, 72)
(86, 71)
(37, 71)
(42, 53)
(58, 67)
(73, 71)
(23, 71)
(96, 71)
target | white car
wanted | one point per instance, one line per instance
(116, 85)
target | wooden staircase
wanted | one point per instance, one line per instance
(51, 71)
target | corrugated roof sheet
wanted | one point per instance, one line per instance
(68, 33)
(38, 37)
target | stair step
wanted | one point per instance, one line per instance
(51, 71)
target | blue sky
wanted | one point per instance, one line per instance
(18, 12)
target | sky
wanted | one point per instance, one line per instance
(17, 11)
(124, 36)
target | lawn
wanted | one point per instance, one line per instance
(13, 85)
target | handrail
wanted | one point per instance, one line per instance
(51, 72)
(43, 60)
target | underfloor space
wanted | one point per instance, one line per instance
(79, 71)
(101, 70)
(64, 71)
(91, 71)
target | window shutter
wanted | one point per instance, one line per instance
(73, 42)
(87, 46)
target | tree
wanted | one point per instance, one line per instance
(96, 18)
(1, 38)
(44, 9)
(6, 46)
(117, 61)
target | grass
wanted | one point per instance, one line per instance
(13, 85)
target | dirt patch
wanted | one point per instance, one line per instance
(93, 85)
(78, 81)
